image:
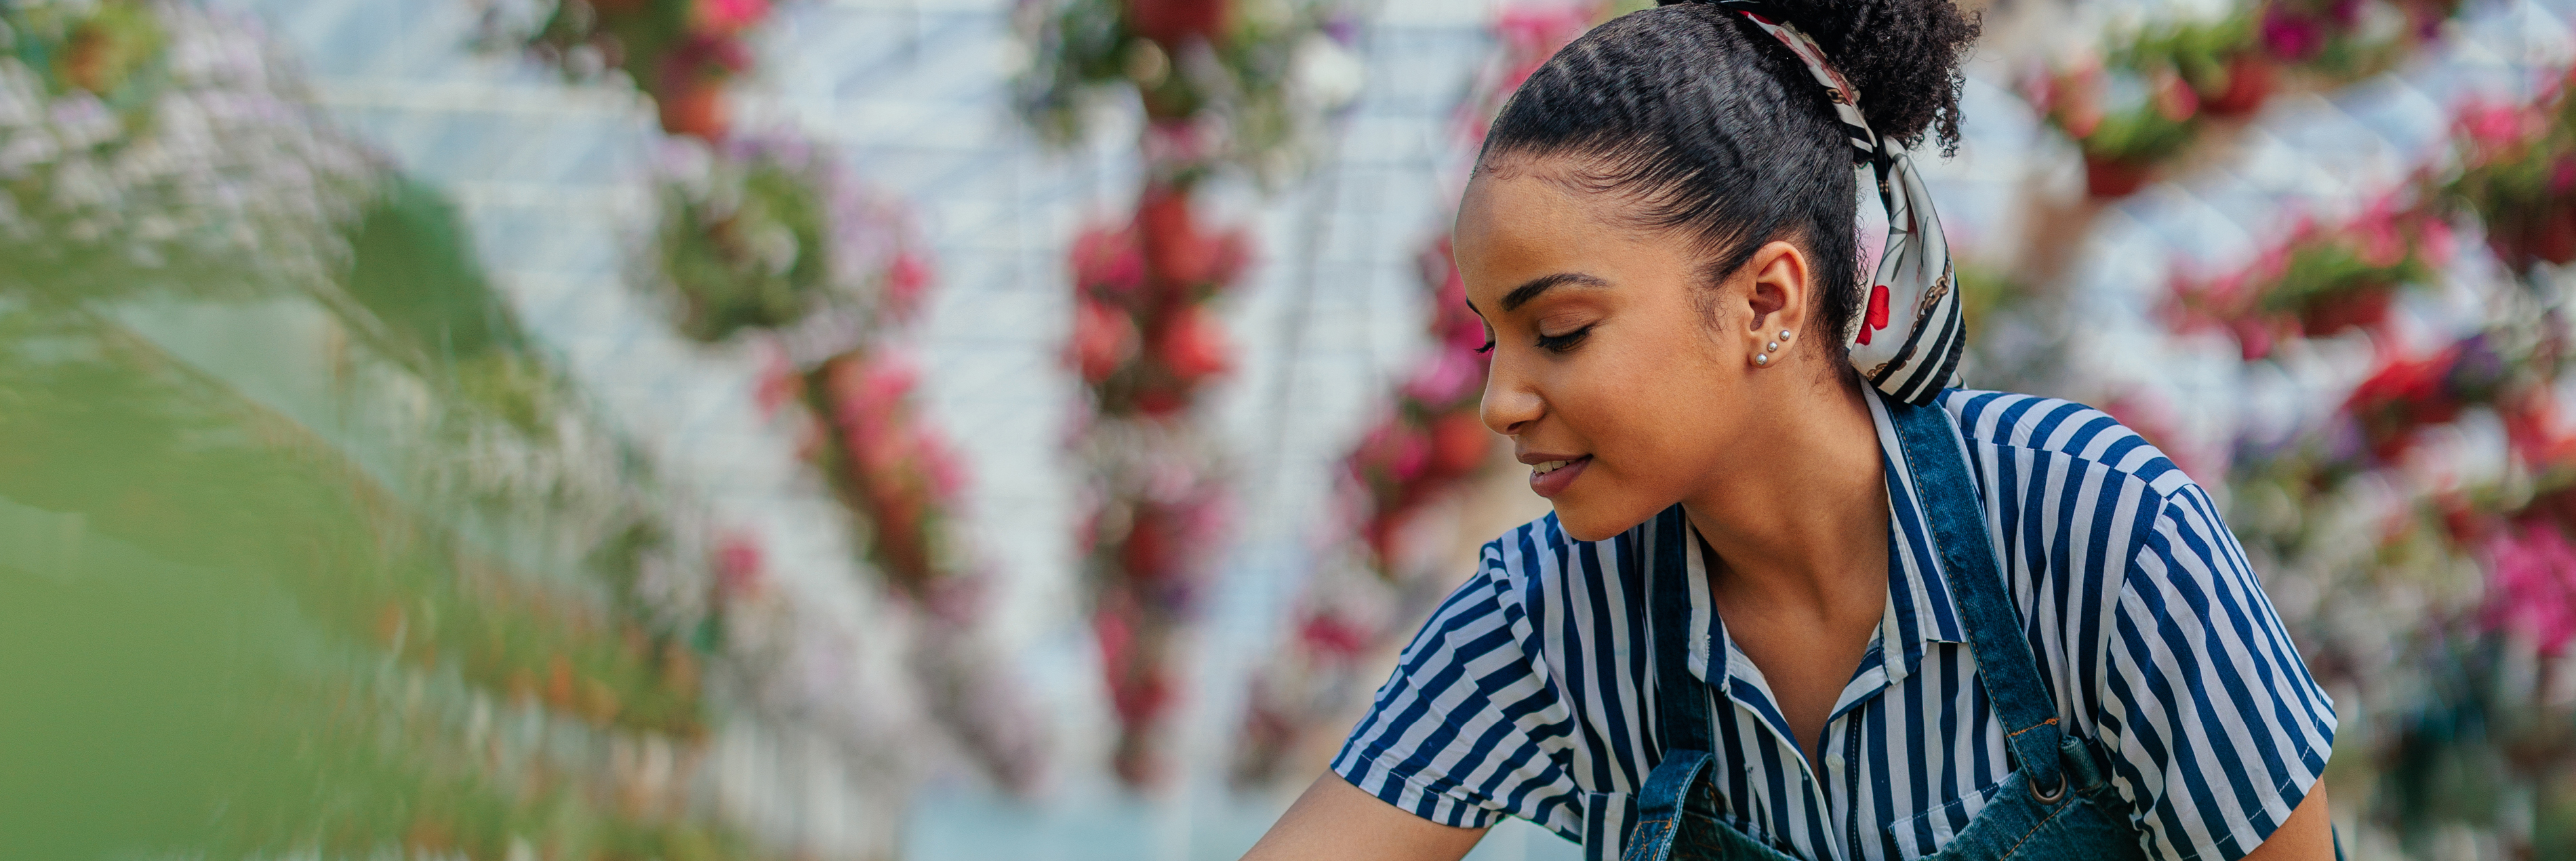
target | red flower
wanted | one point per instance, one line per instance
(2176, 100)
(1108, 263)
(1175, 251)
(1147, 554)
(1459, 442)
(1104, 339)
(1193, 345)
(1172, 22)
(702, 56)
(1138, 688)
(1329, 634)
(2400, 397)
(2249, 82)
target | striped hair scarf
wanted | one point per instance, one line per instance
(1909, 332)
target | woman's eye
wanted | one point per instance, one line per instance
(1564, 342)
(1489, 345)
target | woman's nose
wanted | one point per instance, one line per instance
(1510, 403)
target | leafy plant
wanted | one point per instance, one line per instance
(747, 249)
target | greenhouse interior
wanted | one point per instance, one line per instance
(958, 429)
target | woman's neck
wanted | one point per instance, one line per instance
(1801, 519)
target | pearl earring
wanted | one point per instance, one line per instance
(1772, 347)
(1784, 334)
(1760, 359)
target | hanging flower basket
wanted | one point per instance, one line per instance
(889, 465)
(2112, 177)
(1258, 74)
(1144, 340)
(758, 234)
(2142, 102)
(2249, 80)
(2125, 124)
(2518, 175)
(682, 53)
(2321, 281)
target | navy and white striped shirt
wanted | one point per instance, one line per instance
(1529, 693)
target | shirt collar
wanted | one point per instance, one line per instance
(1919, 611)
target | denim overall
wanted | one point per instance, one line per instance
(2057, 803)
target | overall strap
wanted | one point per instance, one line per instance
(1681, 701)
(1948, 495)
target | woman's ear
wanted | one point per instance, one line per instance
(1777, 296)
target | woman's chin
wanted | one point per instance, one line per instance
(1591, 523)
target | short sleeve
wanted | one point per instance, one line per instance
(2215, 728)
(1458, 735)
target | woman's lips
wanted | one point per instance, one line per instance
(1553, 481)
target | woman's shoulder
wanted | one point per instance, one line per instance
(1531, 567)
(1533, 550)
(2062, 432)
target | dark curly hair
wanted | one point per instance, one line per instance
(1714, 129)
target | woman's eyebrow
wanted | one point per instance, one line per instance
(1530, 289)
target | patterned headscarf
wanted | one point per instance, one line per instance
(1909, 332)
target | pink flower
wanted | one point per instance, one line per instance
(1540, 30)
(2493, 126)
(1394, 450)
(947, 472)
(2531, 585)
(1451, 377)
(1109, 263)
(2291, 36)
(738, 565)
(2177, 101)
(890, 378)
(1104, 339)
(2434, 243)
(907, 279)
(726, 16)
(1409, 454)
(778, 383)
(2380, 244)
(1455, 325)
(2073, 97)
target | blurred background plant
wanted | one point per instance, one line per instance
(594, 429)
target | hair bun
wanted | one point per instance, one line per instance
(1903, 56)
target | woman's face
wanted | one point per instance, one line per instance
(1625, 381)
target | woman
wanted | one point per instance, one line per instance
(1796, 599)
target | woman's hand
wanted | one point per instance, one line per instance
(1334, 821)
